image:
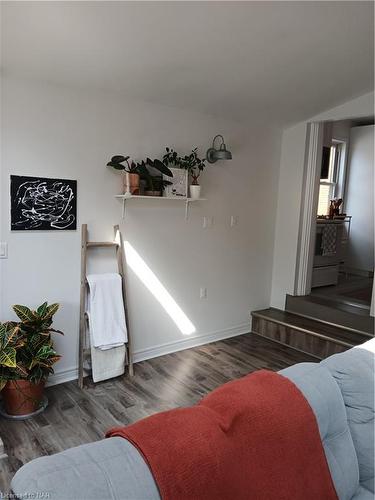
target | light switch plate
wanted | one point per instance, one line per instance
(208, 221)
(3, 250)
(233, 220)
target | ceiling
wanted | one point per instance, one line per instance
(278, 61)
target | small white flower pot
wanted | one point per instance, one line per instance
(195, 192)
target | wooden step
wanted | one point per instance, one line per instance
(330, 312)
(304, 334)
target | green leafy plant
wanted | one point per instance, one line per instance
(171, 157)
(153, 182)
(191, 162)
(26, 348)
(156, 183)
(120, 162)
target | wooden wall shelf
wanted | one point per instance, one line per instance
(128, 197)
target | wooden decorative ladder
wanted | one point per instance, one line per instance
(117, 244)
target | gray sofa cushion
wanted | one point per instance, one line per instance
(354, 373)
(363, 494)
(111, 469)
(324, 397)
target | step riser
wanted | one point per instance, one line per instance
(296, 339)
(299, 305)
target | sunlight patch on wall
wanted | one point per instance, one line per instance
(153, 284)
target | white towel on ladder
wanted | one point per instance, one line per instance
(105, 308)
(106, 320)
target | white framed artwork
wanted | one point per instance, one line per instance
(179, 186)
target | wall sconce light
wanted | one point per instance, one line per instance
(213, 154)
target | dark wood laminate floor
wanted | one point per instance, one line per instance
(75, 417)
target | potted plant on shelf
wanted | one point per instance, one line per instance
(134, 172)
(155, 185)
(27, 357)
(171, 158)
(192, 163)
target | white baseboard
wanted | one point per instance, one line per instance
(188, 343)
(63, 376)
(365, 273)
(162, 349)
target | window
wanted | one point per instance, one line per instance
(331, 177)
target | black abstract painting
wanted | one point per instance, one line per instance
(43, 204)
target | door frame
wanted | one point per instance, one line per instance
(309, 206)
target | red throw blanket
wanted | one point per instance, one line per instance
(252, 439)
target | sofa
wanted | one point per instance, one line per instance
(340, 390)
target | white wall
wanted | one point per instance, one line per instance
(359, 200)
(290, 189)
(341, 130)
(60, 132)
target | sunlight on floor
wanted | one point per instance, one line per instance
(153, 284)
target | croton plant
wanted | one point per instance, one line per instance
(26, 347)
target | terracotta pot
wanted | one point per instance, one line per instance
(131, 183)
(22, 397)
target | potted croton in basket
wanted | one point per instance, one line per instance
(27, 357)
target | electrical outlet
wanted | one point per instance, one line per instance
(208, 221)
(3, 250)
(233, 220)
(203, 293)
